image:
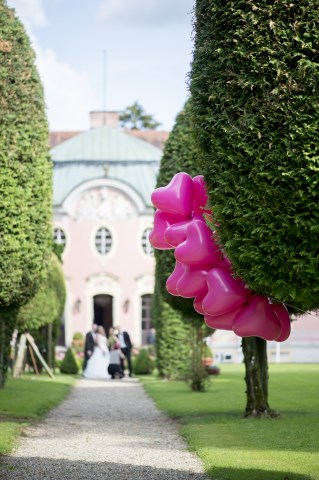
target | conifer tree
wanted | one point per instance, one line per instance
(254, 85)
(176, 315)
(25, 177)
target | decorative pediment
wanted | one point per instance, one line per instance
(103, 203)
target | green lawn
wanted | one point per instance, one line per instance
(234, 448)
(26, 399)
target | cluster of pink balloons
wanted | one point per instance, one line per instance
(202, 271)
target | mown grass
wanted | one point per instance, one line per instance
(27, 399)
(234, 448)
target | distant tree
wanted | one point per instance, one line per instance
(254, 85)
(135, 118)
(25, 178)
(41, 316)
(47, 304)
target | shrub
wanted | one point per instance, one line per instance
(78, 336)
(78, 342)
(143, 363)
(175, 317)
(70, 363)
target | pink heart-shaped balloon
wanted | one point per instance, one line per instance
(222, 322)
(225, 293)
(197, 304)
(257, 319)
(200, 194)
(177, 196)
(199, 247)
(162, 221)
(283, 316)
(177, 233)
(193, 282)
(172, 280)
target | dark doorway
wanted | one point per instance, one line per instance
(103, 311)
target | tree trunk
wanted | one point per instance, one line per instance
(256, 364)
(50, 345)
(7, 324)
(3, 350)
(198, 375)
(18, 366)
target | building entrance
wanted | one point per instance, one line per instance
(103, 311)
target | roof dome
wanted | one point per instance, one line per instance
(105, 143)
(105, 153)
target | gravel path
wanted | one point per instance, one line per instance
(104, 430)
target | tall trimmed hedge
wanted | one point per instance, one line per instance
(180, 155)
(255, 90)
(25, 177)
(172, 337)
(175, 315)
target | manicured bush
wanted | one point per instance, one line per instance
(78, 336)
(254, 86)
(25, 177)
(70, 363)
(143, 363)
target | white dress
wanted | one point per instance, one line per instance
(97, 366)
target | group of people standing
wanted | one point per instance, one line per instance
(104, 356)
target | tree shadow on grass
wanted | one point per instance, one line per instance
(254, 474)
(37, 468)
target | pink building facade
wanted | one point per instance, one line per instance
(103, 180)
(301, 347)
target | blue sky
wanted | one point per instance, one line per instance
(148, 47)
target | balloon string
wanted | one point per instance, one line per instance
(296, 308)
(303, 311)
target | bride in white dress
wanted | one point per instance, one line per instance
(97, 366)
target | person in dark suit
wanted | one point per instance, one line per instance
(89, 344)
(126, 348)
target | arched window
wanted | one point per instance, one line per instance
(147, 247)
(103, 241)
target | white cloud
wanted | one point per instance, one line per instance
(30, 12)
(144, 12)
(68, 94)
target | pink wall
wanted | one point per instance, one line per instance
(126, 272)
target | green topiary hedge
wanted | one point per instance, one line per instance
(173, 355)
(180, 155)
(25, 177)
(143, 364)
(70, 363)
(176, 319)
(255, 87)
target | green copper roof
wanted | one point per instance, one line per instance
(105, 143)
(104, 153)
